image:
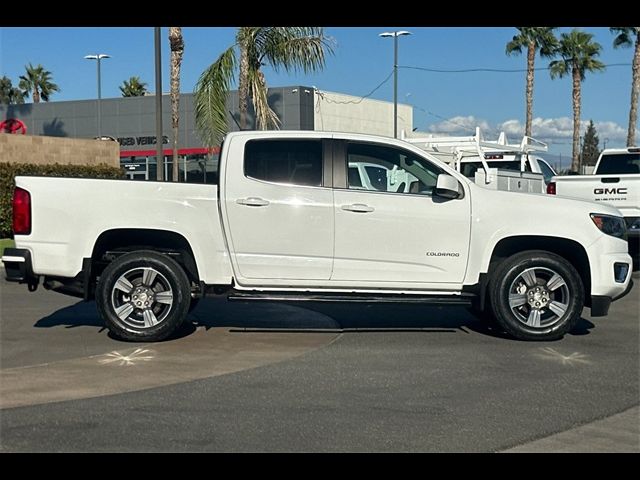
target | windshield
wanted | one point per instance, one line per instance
(619, 163)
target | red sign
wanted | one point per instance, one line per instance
(13, 125)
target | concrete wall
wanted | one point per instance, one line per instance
(337, 112)
(45, 150)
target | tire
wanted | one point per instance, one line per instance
(536, 295)
(128, 301)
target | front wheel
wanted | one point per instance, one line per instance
(143, 296)
(537, 295)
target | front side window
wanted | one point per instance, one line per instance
(381, 168)
(296, 162)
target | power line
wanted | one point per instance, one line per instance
(492, 70)
(448, 120)
(324, 97)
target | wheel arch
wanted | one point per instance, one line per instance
(130, 239)
(570, 250)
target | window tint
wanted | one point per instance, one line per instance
(620, 164)
(296, 162)
(547, 171)
(387, 169)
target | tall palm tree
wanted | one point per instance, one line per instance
(624, 36)
(534, 39)
(37, 82)
(288, 48)
(8, 93)
(578, 52)
(177, 49)
(133, 87)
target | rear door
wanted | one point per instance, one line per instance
(278, 211)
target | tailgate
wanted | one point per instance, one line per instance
(620, 191)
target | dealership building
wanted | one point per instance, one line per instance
(131, 121)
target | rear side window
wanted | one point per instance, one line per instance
(297, 162)
(620, 164)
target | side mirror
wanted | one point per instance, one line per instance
(447, 186)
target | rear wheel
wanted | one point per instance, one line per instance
(143, 296)
(537, 295)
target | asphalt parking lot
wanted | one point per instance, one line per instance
(342, 378)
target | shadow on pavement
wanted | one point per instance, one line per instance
(81, 314)
(267, 316)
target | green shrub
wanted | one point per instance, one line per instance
(6, 243)
(8, 172)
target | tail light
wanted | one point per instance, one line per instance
(551, 188)
(21, 212)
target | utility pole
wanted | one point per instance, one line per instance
(395, 36)
(159, 150)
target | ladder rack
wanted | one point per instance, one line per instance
(451, 150)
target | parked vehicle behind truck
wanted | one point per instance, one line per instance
(615, 181)
(289, 222)
(498, 164)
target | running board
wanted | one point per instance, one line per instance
(462, 299)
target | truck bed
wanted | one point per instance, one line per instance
(69, 214)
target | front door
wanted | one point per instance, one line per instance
(279, 213)
(392, 228)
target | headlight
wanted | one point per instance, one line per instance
(614, 226)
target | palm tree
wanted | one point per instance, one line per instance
(288, 48)
(177, 49)
(578, 51)
(133, 87)
(534, 39)
(8, 93)
(624, 39)
(37, 82)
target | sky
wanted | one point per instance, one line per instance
(450, 103)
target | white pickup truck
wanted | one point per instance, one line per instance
(286, 223)
(615, 181)
(495, 164)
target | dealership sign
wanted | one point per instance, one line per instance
(133, 141)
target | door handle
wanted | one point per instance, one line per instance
(358, 208)
(253, 202)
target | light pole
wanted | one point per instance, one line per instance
(98, 57)
(395, 36)
(159, 144)
(606, 140)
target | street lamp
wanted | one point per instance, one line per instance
(606, 140)
(98, 57)
(395, 36)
